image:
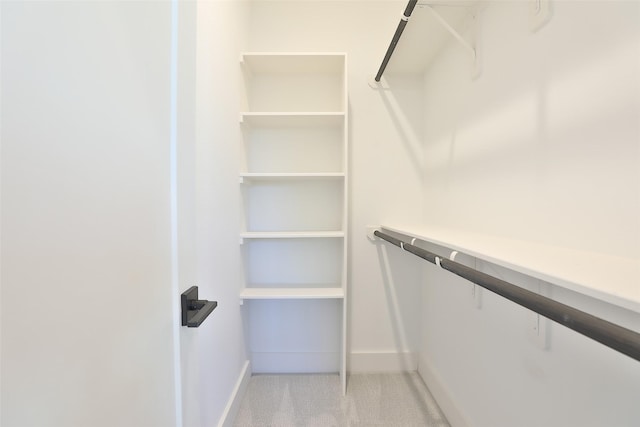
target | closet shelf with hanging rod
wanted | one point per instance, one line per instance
(423, 28)
(557, 266)
(608, 278)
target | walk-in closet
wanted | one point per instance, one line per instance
(252, 213)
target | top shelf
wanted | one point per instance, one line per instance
(290, 63)
(424, 36)
(612, 279)
(283, 82)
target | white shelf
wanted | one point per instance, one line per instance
(293, 119)
(292, 293)
(249, 176)
(413, 55)
(291, 234)
(612, 279)
(289, 63)
(301, 82)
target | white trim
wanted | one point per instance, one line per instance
(173, 196)
(0, 220)
(383, 361)
(233, 405)
(295, 362)
(442, 395)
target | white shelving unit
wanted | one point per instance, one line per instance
(294, 189)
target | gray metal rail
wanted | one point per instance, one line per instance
(396, 37)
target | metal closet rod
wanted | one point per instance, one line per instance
(613, 336)
(396, 37)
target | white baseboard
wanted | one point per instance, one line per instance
(233, 405)
(281, 363)
(441, 394)
(382, 362)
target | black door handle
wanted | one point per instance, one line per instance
(194, 311)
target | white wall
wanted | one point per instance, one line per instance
(547, 134)
(544, 146)
(87, 293)
(190, 375)
(385, 163)
(218, 350)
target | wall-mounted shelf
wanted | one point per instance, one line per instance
(291, 234)
(426, 33)
(294, 82)
(292, 293)
(608, 278)
(293, 119)
(613, 335)
(294, 142)
(425, 27)
(249, 177)
(293, 62)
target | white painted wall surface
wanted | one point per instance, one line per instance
(190, 339)
(87, 298)
(544, 146)
(218, 350)
(385, 165)
(548, 134)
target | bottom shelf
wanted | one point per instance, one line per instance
(292, 293)
(294, 329)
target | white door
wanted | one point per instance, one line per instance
(89, 277)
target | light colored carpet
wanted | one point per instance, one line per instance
(316, 400)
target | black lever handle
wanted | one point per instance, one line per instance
(194, 311)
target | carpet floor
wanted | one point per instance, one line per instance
(316, 400)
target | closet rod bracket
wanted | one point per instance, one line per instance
(471, 47)
(371, 229)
